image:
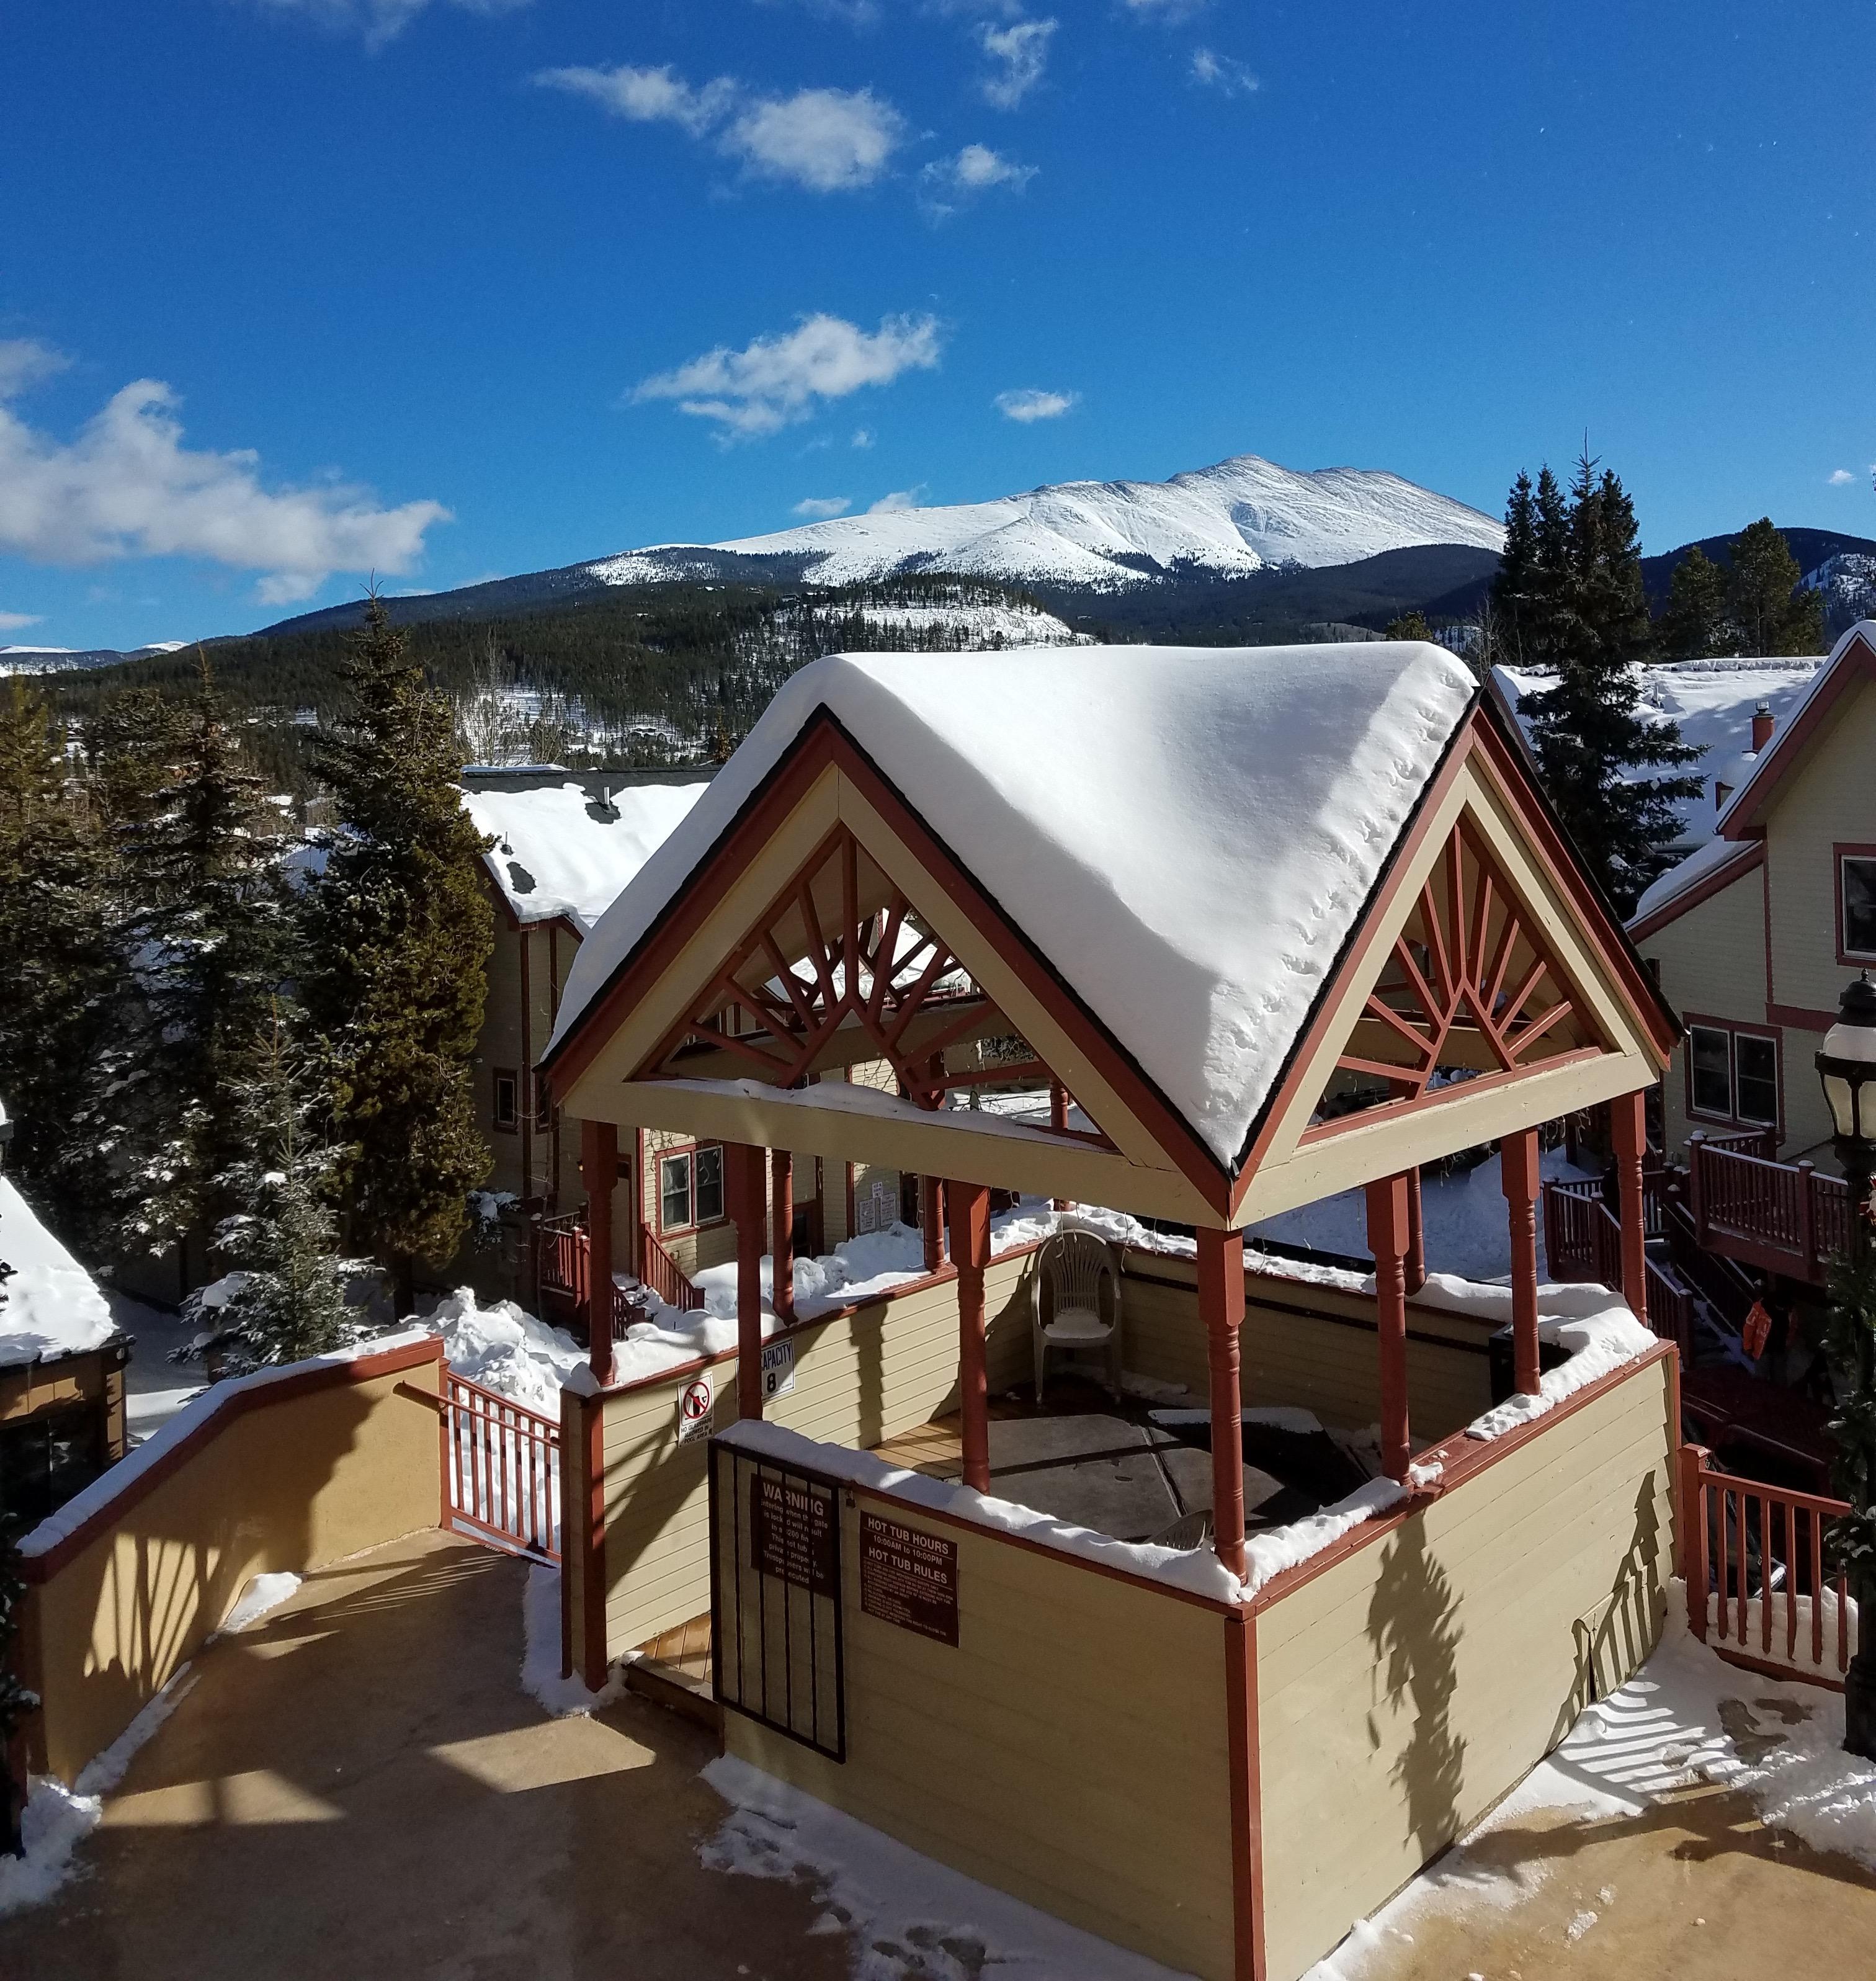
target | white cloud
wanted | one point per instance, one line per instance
(827, 140)
(1030, 405)
(1022, 50)
(378, 20)
(24, 362)
(1839, 477)
(946, 183)
(818, 508)
(862, 437)
(126, 487)
(896, 503)
(1223, 73)
(775, 382)
(11, 622)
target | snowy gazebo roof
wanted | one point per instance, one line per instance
(52, 1307)
(1197, 887)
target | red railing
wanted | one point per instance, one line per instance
(563, 1259)
(1583, 1241)
(661, 1272)
(1753, 1559)
(1782, 1217)
(501, 1469)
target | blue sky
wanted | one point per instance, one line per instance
(457, 288)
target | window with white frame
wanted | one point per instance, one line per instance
(1858, 875)
(1732, 1075)
(689, 1188)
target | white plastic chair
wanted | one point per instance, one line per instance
(1069, 1313)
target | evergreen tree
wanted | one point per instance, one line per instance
(1770, 610)
(399, 934)
(1572, 583)
(202, 939)
(285, 1299)
(15, 1701)
(59, 966)
(1695, 626)
(1409, 626)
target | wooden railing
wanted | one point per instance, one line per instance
(1583, 1241)
(1781, 1217)
(1753, 1559)
(661, 1272)
(501, 1469)
(564, 1255)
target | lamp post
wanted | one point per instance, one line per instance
(1847, 1066)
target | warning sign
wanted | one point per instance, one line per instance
(778, 1369)
(794, 1533)
(696, 1410)
(908, 1578)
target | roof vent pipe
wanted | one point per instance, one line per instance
(1763, 723)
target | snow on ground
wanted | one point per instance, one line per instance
(52, 1308)
(263, 1595)
(1468, 1230)
(1686, 1717)
(505, 1349)
(910, 1918)
(541, 1652)
(57, 1819)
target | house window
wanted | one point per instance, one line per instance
(1858, 893)
(543, 1102)
(689, 1188)
(507, 1101)
(1732, 1075)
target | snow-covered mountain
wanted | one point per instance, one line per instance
(49, 660)
(1246, 514)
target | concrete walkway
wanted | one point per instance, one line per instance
(358, 1786)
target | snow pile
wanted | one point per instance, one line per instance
(540, 1653)
(1271, 1552)
(52, 1308)
(910, 1919)
(56, 1819)
(263, 1595)
(507, 1349)
(1598, 1343)
(560, 850)
(1244, 514)
(1832, 1617)
(1186, 835)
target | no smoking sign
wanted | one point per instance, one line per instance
(697, 1406)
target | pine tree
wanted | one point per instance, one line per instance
(399, 932)
(1695, 626)
(1765, 602)
(285, 1297)
(55, 912)
(15, 1700)
(1575, 586)
(202, 936)
(1409, 626)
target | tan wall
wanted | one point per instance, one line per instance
(287, 1482)
(860, 1377)
(94, 1380)
(1327, 1360)
(1072, 1748)
(1406, 1688)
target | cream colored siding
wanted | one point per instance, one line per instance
(1323, 1359)
(860, 1377)
(1046, 1753)
(1404, 1689)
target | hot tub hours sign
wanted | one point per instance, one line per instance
(908, 1578)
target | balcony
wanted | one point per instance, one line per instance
(1780, 1218)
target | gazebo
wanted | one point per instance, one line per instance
(1261, 926)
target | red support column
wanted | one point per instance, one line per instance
(969, 1204)
(931, 1219)
(1221, 1307)
(782, 1236)
(1517, 1176)
(1629, 1123)
(1387, 1239)
(1416, 1235)
(743, 1175)
(1058, 1120)
(599, 1170)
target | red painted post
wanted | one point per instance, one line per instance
(782, 1236)
(1518, 1175)
(969, 1206)
(1631, 1128)
(931, 1219)
(1808, 1221)
(742, 1167)
(1221, 1307)
(599, 1170)
(1058, 1120)
(1387, 1239)
(1416, 1235)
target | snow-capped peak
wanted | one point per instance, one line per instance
(1244, 514)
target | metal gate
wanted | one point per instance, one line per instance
(776, 1645)
(501, 1469)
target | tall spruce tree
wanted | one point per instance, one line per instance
(1771, 611)
(1572, 586)
(58, 965)
(202, 937)
(399, 934)
(1695, 625)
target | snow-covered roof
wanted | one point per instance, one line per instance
(1188, 835)
(51, 1306)
(1713, 702)
(563, 850)
(1824, 681)
(1699, 865)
